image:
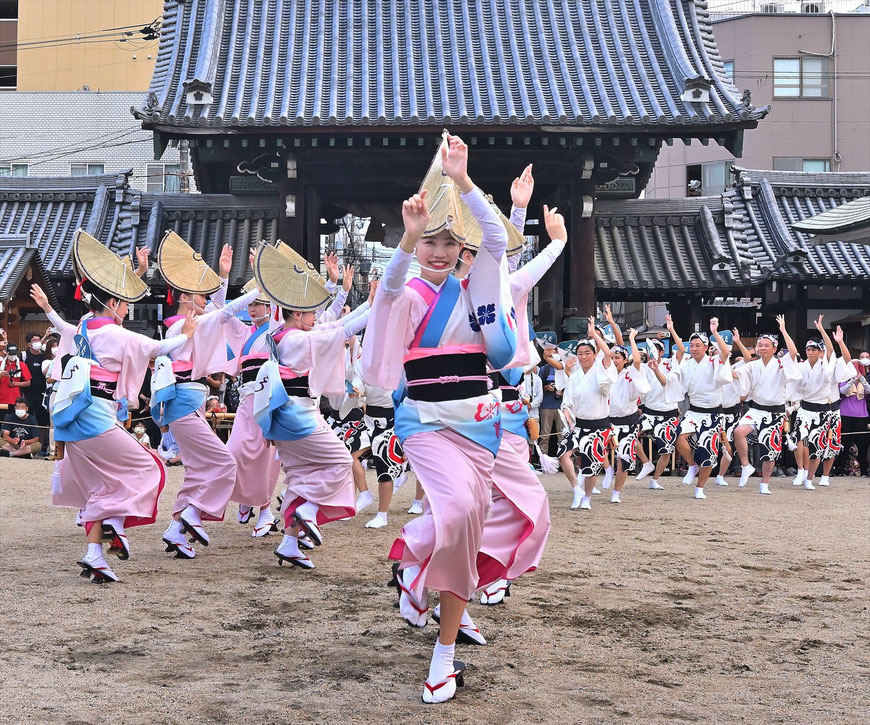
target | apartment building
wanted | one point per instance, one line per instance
(810, 61)
(72, 69)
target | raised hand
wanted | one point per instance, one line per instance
(555, 224)
(592, 332)
(454, 160)
(415, 216)
(373, 288)
(735, 333)
(669, 323)
(522, 188)
(819, 323)
(653, 363)
(142, 261)
(608, 313)
(347, 280)
(838, 333)
(780, 320)
(714, 325)
(39, 296)
(632, 333)
(226, 261)
(331, 262)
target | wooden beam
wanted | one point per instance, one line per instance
(581, 252)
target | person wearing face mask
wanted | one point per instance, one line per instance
(34, 360)
(304, 362)
(14, 376)
(20, 437)
(141, 435)
(104, 472)
(441, 333)
(179, 390)
(764, 380)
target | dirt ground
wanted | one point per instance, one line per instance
(740, 608)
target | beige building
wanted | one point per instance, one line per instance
(65, 45)
(813, 68)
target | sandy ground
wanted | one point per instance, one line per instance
(740, 608)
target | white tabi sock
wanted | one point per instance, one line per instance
(289, 546)
(174, 527)
(824, 481)
(441, 665)
(690, 474)
(699, 492)
(745, 472)
(608, 478)
(95, 550)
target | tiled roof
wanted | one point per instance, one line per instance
(768, 203)
(669, 244)
(353, 63)
(16, 253)
(851, 218)
(50, 209)
(207, 222)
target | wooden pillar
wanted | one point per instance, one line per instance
(551, 287)
(581, 253)
(311, 238)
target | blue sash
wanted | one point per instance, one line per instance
(434, 326)
(261, 330)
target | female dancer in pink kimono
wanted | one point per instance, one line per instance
(442, 331)
(105, 473)
(304, 363)
(178, 394)
(518, 525)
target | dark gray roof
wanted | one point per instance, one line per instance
(663, 244)
(351, 63)
(207, 222)
(767, 203)
(851, 218)
(50, 209)
(16, 253)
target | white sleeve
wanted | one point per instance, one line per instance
(395, 273)
(60, 324)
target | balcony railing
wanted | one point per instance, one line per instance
(721, 9)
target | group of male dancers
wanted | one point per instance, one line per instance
(704, 402)
(435, 385)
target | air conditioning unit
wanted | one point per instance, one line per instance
(771, 8)
(813, 7)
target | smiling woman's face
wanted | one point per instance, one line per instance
(439, 253)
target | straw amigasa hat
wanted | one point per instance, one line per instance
(251, 284)
(442, 200)
(99, 265)
(183, 268)
(474, 234)
(288, 279)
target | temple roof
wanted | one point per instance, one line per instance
(624, 65)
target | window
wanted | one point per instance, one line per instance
(86, 169)
(729, 70)
(8, 9)
(807, 77)
(8, 77)
(163, 178)
(791, 163)
(13, 169)
(708, 179)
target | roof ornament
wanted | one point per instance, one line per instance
(198, 93)
(696, 90)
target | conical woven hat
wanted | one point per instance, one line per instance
(251, 284)
(442, 200)
(474, 234)
(104, 269)
(289, 279)
(184, 268)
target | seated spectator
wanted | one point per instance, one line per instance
(141, 435)
(19, 432)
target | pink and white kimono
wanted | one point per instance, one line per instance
(209, 467)
(517, 528)
(317, 464)
(257, 465)
(448, 423)
(105, 472)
